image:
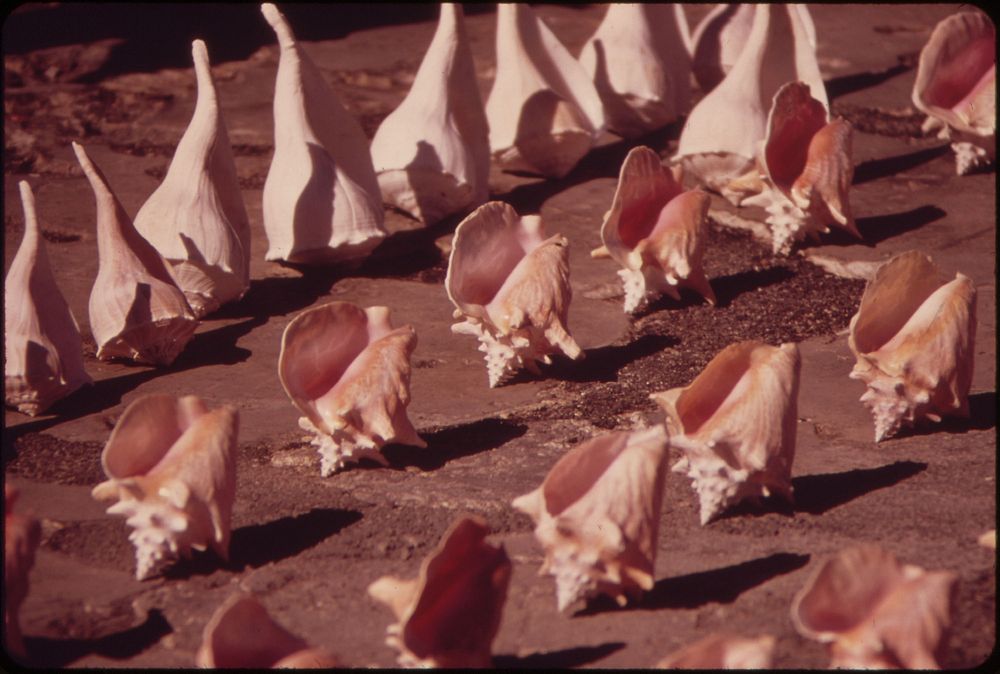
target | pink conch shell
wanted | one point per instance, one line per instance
(21, 536)
(172, 469)
(196, 218)
(914, 340)
(719, 140)
(804, 170)
(348, 372)
(723, 651)
(736, 425)
(640, 64)
(42, 344)
(544, 112)
(432, 153)
(656, 230)
(136, 309)
(321, 196)
(241, 634)
(956, 86)
(597, 515)
(449, 615)
(875, 612)
(511, 287)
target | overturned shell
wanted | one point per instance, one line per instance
(137, 311)
(348, 371)
(196, 218)
(544, 112)
(171, 465)
(21, 536)
(723, 651)
(449, 615)
(321, 196)
(42, 344)
(736, 425)
(656, 230)
(241, 634)
(875, 612)
(597, 515)
(511, 287)
(914, 340)
(432, 153)
(639, 99)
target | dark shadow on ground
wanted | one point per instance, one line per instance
(50, 652)
(282, 295)
(846, 84)
(817, 494)
(982, 417)
(448, 444)
(603, 363)
(729, 287)
(877, 228)
(564, 659)
(216, 347)
(873, 169)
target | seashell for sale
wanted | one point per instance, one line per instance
(137, 312)
(321, 197)
(348, 372)
(656, 230)
(21, 536)
(914, 340)
(720, 137)
(736, 425)
(543, 111)
(242, 635)
(875, 612)
(196, 219)
(511, 287)
(988, 539)
(640, 65)
(432, 153)
(171, 465)
(42, 344)
(723, 651)
(956, 87)
(597, 515)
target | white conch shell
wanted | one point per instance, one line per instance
(640, 65)
(512, 288)
(544, 112)
(432, 153)
(723, 651)
(449, 615)
(878, 613)
(956, 86)
(914, 340)
(719, 140)
(656, 230)
(736, 424)
(42, 344)
(597, 515)
(196, 218)
(171, 465)
(136, 309)
(348, 372)
(241, 634)
(321, 196)
(21, 536)
(804, 170)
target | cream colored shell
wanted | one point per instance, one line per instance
(721, 650)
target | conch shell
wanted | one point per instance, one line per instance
(640, 65)
(172, 469)
(719, 140)
(875, 612)
(511, 287)
(956, 86)
(42, 344)
(241, 634)
(736, 424)
(804, 170)
(21, 536)
(137, 311)
(723, 651)
(196, 218)
(348, 372)
(656, 230)
(914, 340)
(544, 112)
(321, 196)
(432, 153)
(597, 515)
